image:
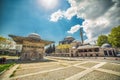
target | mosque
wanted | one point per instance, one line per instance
(32, 46)
(71, 47)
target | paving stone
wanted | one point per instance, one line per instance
(97, 75)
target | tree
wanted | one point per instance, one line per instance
(50, 49)
(114, 36)
(102, 39)
(2, 39)
(53, 48)
(5, 43)
(2, 42)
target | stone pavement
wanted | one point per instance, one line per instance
(81, 74)
(33, 71)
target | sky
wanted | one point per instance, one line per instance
(55, 19)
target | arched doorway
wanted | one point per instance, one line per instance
(105, 53)
(71, 54)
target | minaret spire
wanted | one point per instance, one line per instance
(81, 35)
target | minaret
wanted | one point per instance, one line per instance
(81, 35)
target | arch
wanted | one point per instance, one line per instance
(105, 53)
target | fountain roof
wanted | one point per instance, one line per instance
(33, 37)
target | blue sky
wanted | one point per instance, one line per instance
(55, 19)
(22, 17)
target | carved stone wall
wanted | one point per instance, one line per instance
(32, 51)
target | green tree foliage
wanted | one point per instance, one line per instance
(50, 49)
(102, 39)
(53, 50)
(4, 43)
(2, 39)
(114, 36)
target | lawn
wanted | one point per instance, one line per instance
(4, 66)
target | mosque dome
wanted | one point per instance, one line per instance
(69, 38)
(106, 45)
(34, 35)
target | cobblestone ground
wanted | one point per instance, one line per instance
(89, 64)
(59, 69)
(54, 75)
(97, 75)
(112, 66)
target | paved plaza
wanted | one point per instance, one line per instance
(64, 69)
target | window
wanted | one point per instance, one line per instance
(96, 49)
(80, 51)
(90, 50)
(97, 55)
(110, 53)
(105, 53)
(91, 55)
(85, 50)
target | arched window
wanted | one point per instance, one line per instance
(110, 52)
(85, 50)
(90, 50)
(91, 55)
(97, 55)
(96, 49)
(105, 53)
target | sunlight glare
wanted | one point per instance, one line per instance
(48, 4)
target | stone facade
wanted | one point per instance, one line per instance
(32, 51)
(32, 46)
(77, 49)
(92, 51)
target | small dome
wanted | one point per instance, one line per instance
(74, 41)
(73, 47)
(69, 37)
(34, 35)
(106, 45)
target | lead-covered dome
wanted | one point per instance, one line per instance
(106, 45)
(34, 35)
(69, 38)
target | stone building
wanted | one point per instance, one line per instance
(67, 40)
(70, 47)
(64, 47)
(32, 46)
(93, 51)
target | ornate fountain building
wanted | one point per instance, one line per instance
(32, 46)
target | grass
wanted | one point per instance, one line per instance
(5, 66)
(13, 74)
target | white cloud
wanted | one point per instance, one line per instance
(56, 16)
(100, 16)
(70, 13)
(74, 29)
